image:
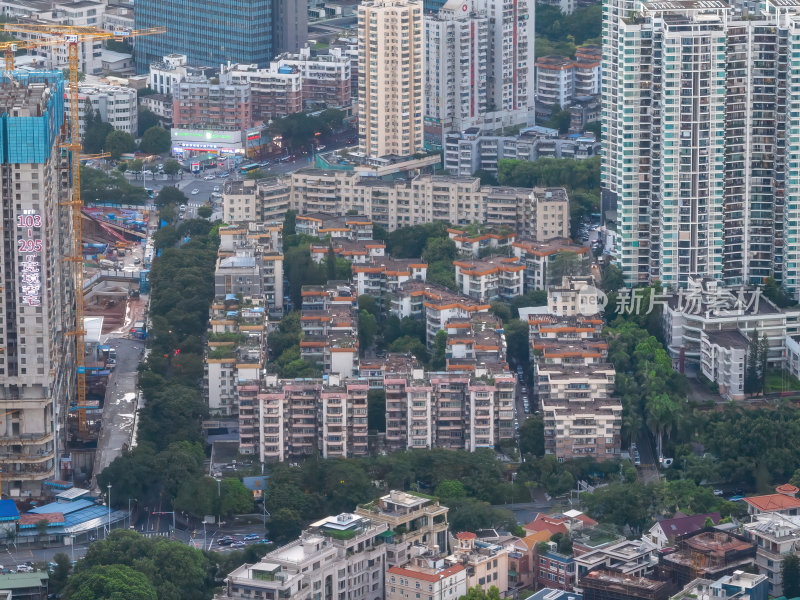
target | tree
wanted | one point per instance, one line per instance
(95, 132)
(330, 262)
(486, 177)
(156, 140)
(289, 222)
(790, 572)
(41, 527)
(172, 166)
(439, 249)
(559, 119)
(81, 75)
(662, 414)
(109, 581)
(612, 279)
(60, 573)
(450, 489)
(136, 165)
(751, 376)
(376, 410)
(565, 264)
(502, 310)
(256, 174)
(145, 119)
(170, 195)
(438, 359)
(122, 166)
(174, 569)
(477, 593)
(368, 303)
(367, 327)
(235, 499)
(517, 346)
(119, 142)
(531, 436)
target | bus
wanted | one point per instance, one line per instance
(248, 168)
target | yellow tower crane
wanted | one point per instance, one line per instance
(61, 35)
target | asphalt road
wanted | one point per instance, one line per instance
(119, 408)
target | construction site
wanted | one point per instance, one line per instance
(710, 554)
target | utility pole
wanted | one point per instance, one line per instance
(129, 509)
(109, 510)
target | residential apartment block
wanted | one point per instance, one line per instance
(698, 148)
(357, 252)
(559, 79)
(476, 149)
(201, 103)
(486, 563)
(116, 105)
(723, 356)
(541, 213)
(537, 257)
(573, 381)
(776, 536)
(449, 411)
(384, 274)
(250, 263)
(478, 240)
(344, 555)
(739, 586)
(265, 200)
(490, 278)
(294, 82)
(351, 227)
(390, 92)
(292, 420)
(329, 322)
(426, 575)
(37, 365)
(474, 342)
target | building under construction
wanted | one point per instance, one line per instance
(37, 301)
(709, 554)
(607, 585)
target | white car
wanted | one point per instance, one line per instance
(216, 188)
(208, 177)
(24, 569)
(195, 191)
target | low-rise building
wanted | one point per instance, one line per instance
(490, 278)
(356, 251)
(784, 501)
(426, 575)
(555, 80)
(705, 306)
(710, 555)
(723, 358)
(343, 556)
(575, 296)
(479, 241)
(776, 536)
(434, 303)
(264, 200)
(161, 106)
(486, 563)
(317, 224)
(665, 532)
(538, 258)
(165, 75)
(603, 585)
(739, 586)
(629, 558)
(200, 102)
(115, 104)
(414, 520)
(386, 275)
(472, 149)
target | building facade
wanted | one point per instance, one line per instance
(200, 103)
(117, 106)
(37, 365)
(232, 31)
(391, 62)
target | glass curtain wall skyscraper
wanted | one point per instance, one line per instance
(208, 32)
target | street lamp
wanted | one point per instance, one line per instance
(129, 509)
(219, 495)
(109, 510)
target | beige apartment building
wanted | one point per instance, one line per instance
(266, 200)
(390, 90)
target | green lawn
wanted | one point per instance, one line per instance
(781, 382)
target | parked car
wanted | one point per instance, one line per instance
(264, 541)
(137, 260)
(224, 542)
(25, 569)
(238, 544)
(718, 492)
(251, 536)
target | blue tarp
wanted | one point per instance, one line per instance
(230, 297)
(8, 511)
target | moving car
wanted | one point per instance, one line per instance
(195, 191)
(238, 544)
(251, 536)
